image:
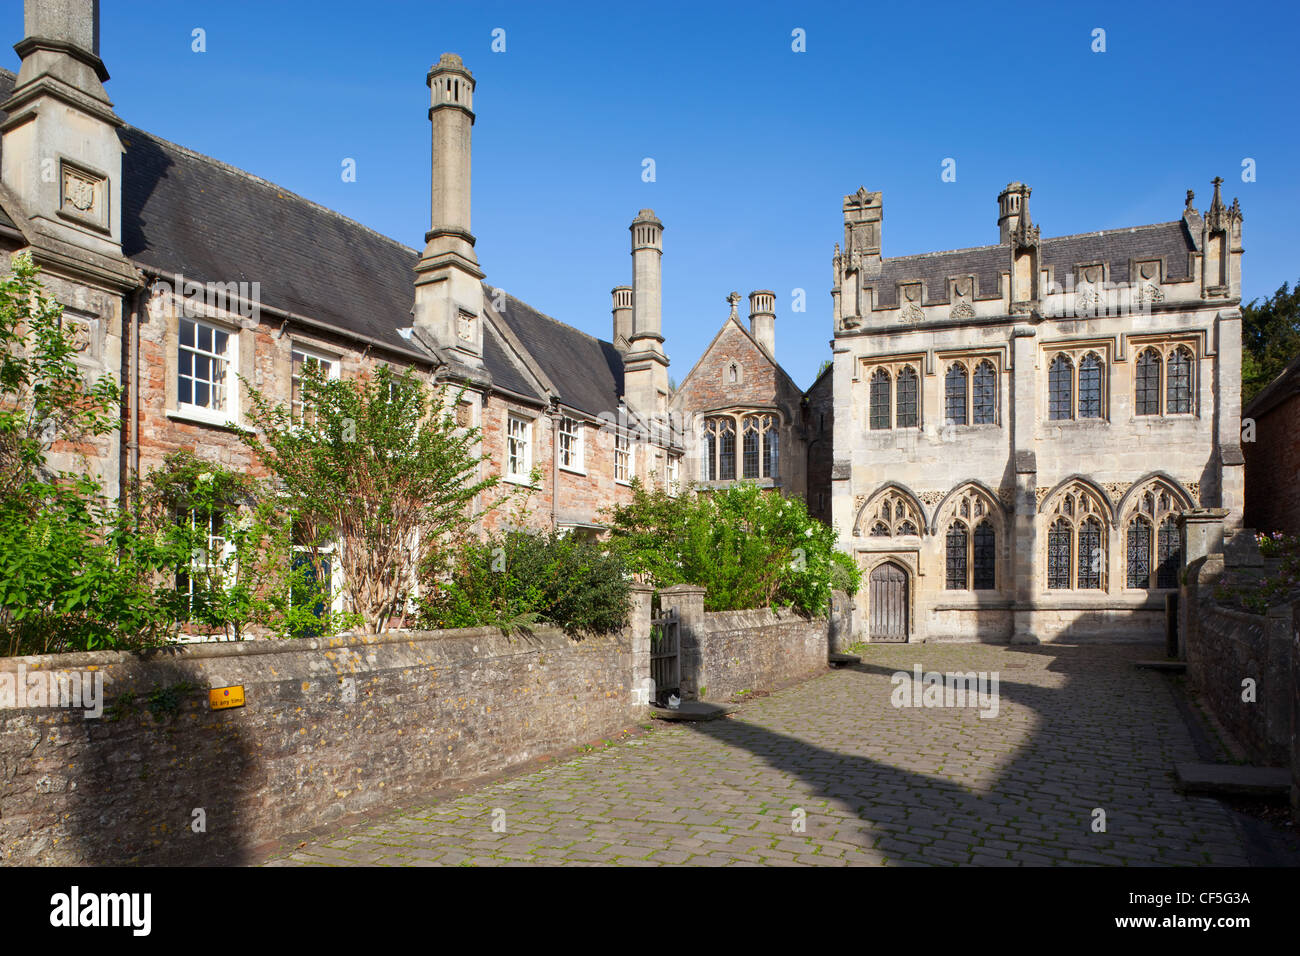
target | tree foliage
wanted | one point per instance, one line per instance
(517, 579)
(72, 577)
(379, 470)
(1270, 338)
(748, 546)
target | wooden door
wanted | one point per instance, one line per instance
(888, 608)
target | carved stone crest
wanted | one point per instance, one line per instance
(78, 190)
(465, 327)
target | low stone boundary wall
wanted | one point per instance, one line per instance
(329, 728)
(1224, 647)
(723, 652)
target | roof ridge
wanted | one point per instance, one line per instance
(220, 164)
(1002, 245)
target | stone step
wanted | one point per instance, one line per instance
(844, 660)
(1232, 779)
(692, 710)
(1170, 667)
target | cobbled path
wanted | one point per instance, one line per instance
(1078, 730)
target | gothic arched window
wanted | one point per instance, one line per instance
(1060, 386)
(1090, 372)
(1076, 541)
(955, 395)
(1178, 400)
(893, 513)
(955, 557)
(1153, 555)
(984, 400)
(879, 400)
(719, 449)
(907, 416)
(1148, 383)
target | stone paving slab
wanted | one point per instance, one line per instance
(1074, 769)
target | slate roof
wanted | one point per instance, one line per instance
(189, 213)
(587, 371)
(1115, 246)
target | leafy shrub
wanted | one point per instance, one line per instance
(236, 564)
(72, 576)
(748, 546)
(515, 580)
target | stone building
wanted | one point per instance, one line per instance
(1018, 426)
(1272, 420)
(745, 414)
(190, 276)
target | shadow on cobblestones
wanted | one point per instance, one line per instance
(1074, 767)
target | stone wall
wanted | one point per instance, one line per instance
(1224, 647)
(723, 652)
(330, 728)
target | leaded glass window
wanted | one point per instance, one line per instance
(984, 398)
(1090, 554)
(983, 557)
(1058, 555)
(956, 557)
(1090, 386)
(1138, 553)
(1169, 554)
(879, 399)
(1060, 385)
(1148, 383)
(1179, 391)
(907, 398)
(955, 395)
(751, 442)
(720, 447)
(770, 446)
(727, 451)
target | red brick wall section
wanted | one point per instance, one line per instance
(264, 360)
(1273, 470)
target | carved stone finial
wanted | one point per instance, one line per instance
(1026, 233)
(734, 299)
(1191, 196)
(1220, 216)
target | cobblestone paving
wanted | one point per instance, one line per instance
(1078, 729)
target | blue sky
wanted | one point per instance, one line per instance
(755, 145)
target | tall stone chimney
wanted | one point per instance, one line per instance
(448, 284)
(1017, 231)
(645, 366)
(1009, 204)
(622, 316)
(61, 154)
(762, 319)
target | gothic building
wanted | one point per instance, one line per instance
(746, 415)
(1018, 426)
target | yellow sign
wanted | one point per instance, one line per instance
(222, 697)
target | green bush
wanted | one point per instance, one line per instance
(72, 575)
(517, 579)
(748, 546)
